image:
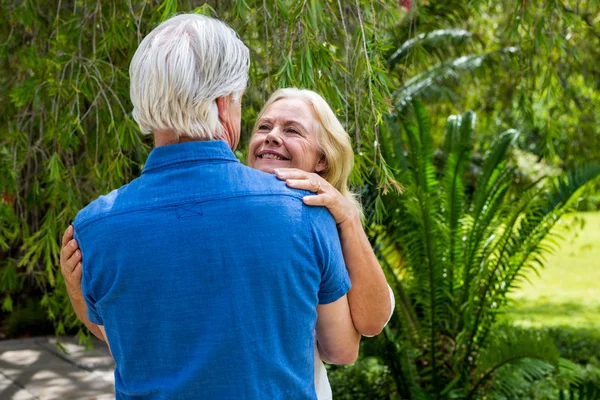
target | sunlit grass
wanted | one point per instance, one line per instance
(568, 291)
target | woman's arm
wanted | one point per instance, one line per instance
(70, 266)
(337, 338)
(369, 297)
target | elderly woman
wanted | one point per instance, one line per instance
(298, 137)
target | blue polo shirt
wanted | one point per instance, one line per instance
(206, 275)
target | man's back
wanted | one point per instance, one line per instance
(206, 276)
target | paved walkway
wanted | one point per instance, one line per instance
(37, 368)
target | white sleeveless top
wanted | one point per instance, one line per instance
(322, 386)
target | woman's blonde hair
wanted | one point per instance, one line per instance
(332, 140)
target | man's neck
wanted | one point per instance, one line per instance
(167, 137)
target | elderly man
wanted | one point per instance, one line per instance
(205, 276)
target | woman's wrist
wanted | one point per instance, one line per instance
(350, 223)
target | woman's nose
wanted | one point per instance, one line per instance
(273, 138)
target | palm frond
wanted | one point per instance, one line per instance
(392, 145)
(487, 204)
(490, 277)
(514, 380)
(582, 391)
(427, 246)
(417, 127)
(527, 351)
(435, 82)
(431, 41)
(457, 148)
(537, 225)
(401, 358)
(386, 250)
(580, 383)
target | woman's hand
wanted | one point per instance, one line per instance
(70, 264)
(338, 205)
(71, 268)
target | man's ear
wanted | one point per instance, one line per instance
(223, 107)
(230, 133)
(322, 164)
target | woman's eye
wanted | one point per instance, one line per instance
(293, 131)
(263, 127)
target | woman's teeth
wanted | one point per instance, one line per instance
(271, 157)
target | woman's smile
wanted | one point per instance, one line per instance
(271, 155)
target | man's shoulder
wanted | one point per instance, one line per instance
(102, 206)
(320, 220)
(260, 183)
(257, 182)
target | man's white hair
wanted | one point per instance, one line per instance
(180, 69)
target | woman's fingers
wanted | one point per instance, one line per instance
(291, 173)
(68, 250)
(73, 276)
(326, 195)
(324, 199)
(68, 235)
(69, 245)
(77, 272)
(71, 263)
(312, 185)
(298, 179)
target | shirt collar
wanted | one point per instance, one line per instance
(212, 150)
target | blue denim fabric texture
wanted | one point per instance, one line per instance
(206, 275)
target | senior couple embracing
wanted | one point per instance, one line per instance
(208, 279)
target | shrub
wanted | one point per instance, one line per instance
(367, 379)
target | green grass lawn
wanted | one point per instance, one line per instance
(567, 293)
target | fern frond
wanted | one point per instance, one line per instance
(527, 351)
(401, 358)
(435, 82)
(537, 225)
(426, 244)
(430, 41)
(458, 148)
(487, 205)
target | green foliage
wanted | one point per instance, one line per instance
(581, 346)
(550, 93)
(528, 379)
(28, 318)
(455, 254)
(582, 391)
(571, 382)
(367, 379)
(515, 356)
(434, 83)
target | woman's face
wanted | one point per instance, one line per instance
(286, 138)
